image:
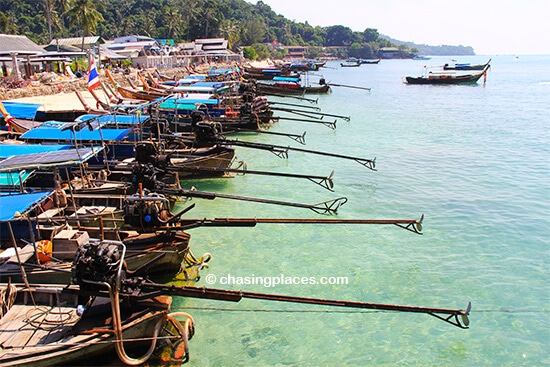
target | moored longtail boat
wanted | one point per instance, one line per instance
(447, 77)
(45, 325)
(18, 124)
(466, 66)
(283, 85)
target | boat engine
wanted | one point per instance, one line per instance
(147, 152)
(148, 212)
(96, 262)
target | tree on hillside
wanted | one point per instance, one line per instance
(339, 35)
(370, 35)
(5, 25)
(252, 31)
(262, 51)
(211, 16)
(355, 50)
(250, 53)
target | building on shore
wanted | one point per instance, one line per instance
(150, 53)
(21, 58)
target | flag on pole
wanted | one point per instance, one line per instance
(93, 77)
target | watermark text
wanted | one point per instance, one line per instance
(273, 281)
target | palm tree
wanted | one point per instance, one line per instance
(85, 15)
(54, 10)
(210, 13)
(174, 20)
(191, 10)
(49, 5)
(230, 30)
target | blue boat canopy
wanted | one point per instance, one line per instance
(61, 158)
(21, 110)
(14, 179)
(194, 89)
(114, 119)
(193, 101)
(8, 150)
(12, 203)
(216, 85)
(55, 133)
(286, 79)
(216, 71)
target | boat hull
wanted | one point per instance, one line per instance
(165, 252)
(266, 88)
(444, 80)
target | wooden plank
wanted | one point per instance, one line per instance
(43, 318)
(24, 254)
(50, 213)
(12, 321)
(56, 324)
(22, 333)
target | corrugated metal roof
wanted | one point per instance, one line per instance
(61, 47)
(129, 45)
(209, 40)
(106, 53)
(20, 44)
(75, 41)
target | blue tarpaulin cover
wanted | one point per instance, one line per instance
(187, 102)
(7, 150)
(53, 133)
(21, 110)
(18, 202)
(210, 84)
(114, 119)
(286, 79)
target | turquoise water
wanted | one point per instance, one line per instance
(473, 158)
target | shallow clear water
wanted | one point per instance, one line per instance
(473, 158)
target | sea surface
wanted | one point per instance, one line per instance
(474, 159)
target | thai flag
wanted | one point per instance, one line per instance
(93, 77)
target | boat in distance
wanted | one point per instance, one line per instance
(466, 66)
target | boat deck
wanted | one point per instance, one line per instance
(27, 325)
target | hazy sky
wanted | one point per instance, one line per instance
(489, 26)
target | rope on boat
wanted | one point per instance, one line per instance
(190, 261)
(38, 318)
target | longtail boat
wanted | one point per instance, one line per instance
(45, 325)
(447, 77)
(21, 117)
(351, 64)
(465, 66)
(284, 85)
